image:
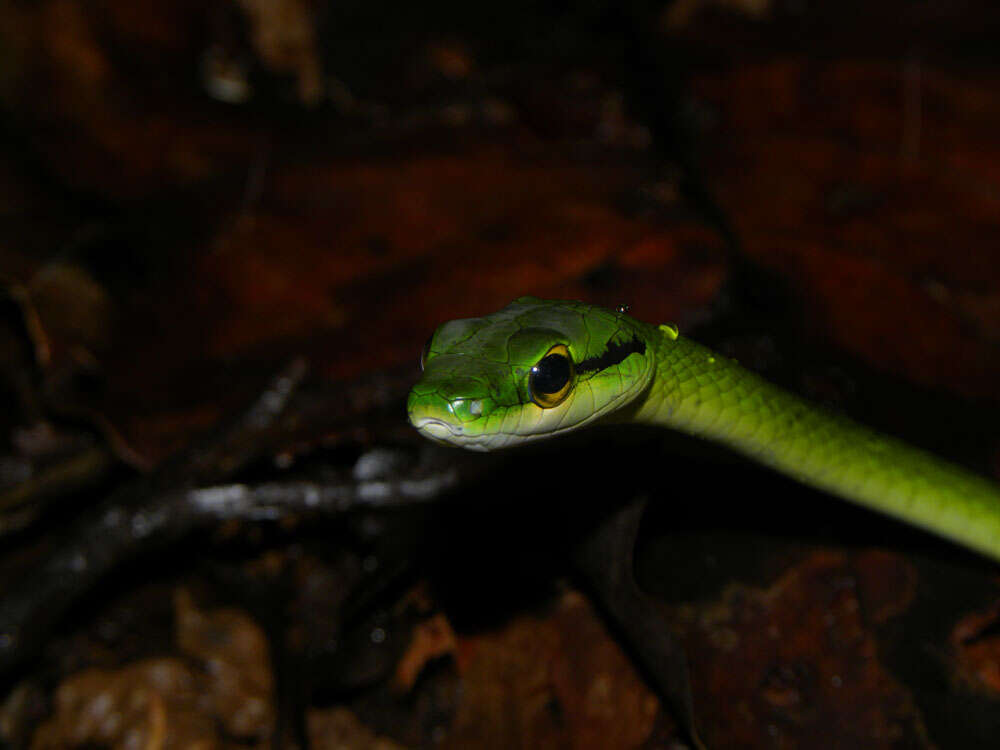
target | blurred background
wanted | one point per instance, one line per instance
(227, 229)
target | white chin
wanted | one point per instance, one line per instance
(444, 433)
(435, 429)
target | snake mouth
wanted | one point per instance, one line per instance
(437, 429)
(454, 435)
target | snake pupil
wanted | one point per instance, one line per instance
(550, 375)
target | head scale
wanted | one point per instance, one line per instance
(532, 369)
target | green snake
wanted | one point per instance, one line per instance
(540, 368)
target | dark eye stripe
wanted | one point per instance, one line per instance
(616, 353)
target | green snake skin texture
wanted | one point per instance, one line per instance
(540, 368)
(702, 393)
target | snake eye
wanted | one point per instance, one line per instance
(424, 352)
(551, 378)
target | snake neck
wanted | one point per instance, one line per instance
(702, 393)
(697, 391)
(693, 389)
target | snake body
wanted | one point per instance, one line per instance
(538, 368)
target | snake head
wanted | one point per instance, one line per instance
(535, 368)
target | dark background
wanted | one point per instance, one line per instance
(197, 197)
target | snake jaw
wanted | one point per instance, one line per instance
(437, 430)
(443, 433)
